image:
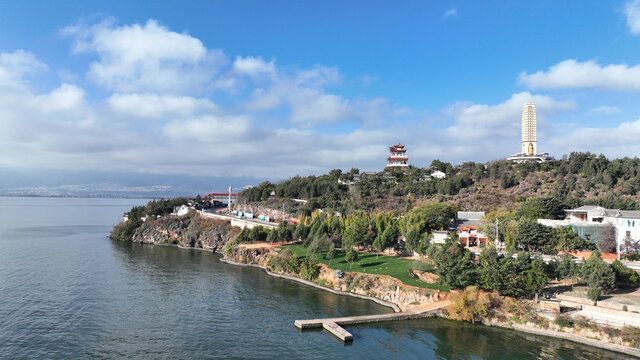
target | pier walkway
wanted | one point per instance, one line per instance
(333, 325)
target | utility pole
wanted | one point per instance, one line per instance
(229, 200)
(497, 236)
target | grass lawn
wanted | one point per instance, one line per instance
(368, 263)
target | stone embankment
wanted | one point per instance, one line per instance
(382, 287)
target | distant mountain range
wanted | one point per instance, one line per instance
(64, 183)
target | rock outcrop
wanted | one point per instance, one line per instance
(191, 230)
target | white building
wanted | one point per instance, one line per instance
(181, 210)
(589, 221)
(440, 236)
(438, 174)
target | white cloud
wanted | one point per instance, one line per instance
(67, 98)
(149, 106)
(605, 110)
(632, 12)
(489, 122)
(615, 141)
(209, 129)
(588, 75)
(254, 66)
(450, 12)
(146, 57)
(266, 126)
(14, 66)
(312, 108)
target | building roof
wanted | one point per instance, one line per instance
(628, 214)
(614, 213)
(585, 208)
(470, 215)
(468, 222)
(467, 228)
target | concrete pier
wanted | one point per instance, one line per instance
(333, 325)
(338, 331)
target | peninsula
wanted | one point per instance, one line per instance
(474, 241)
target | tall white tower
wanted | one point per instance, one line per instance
(529, 129)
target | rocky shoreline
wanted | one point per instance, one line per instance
(318, 286)
(195, 232)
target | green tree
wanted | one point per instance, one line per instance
(301, 232)
(563, 238)
(309, 270)
(594, 293)
(432, 216)
(507, 180)
(357, 230)
(489, 272)
(532, 236)
(566, 268)
(293, 264)
(285, 233)
(412, 240)
(351, 257)
(331, 253)
(625, 277)
(541, 208)
(534, 279)
(389, 237)
(272, 236)
(454, 266)
(597, 273)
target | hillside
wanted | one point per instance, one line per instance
(582, 178)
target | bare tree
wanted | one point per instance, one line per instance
(608, 242)
(629, 247)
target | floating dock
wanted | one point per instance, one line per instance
(334, 325)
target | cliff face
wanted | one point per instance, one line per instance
(190, 230)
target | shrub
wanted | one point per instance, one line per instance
(309, 270)
(471, 304)
(625, 308)
(584, 323)
(564, 321)
(278, 262)
(632, 335)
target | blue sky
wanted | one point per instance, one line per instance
(279, 88)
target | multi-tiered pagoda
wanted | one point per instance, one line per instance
(397, 157)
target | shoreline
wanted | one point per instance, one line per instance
(516, 327)
(393, 306)
(570, 337)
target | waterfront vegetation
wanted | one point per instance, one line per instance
(355, 228)
(155, 208)
(369, 263)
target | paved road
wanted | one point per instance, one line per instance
(231, 217)
(608, 319)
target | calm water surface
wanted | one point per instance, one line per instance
(67, 291)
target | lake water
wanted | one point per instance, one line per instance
(67, 291)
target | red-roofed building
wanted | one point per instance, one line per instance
(469, 236)
(397, 157)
